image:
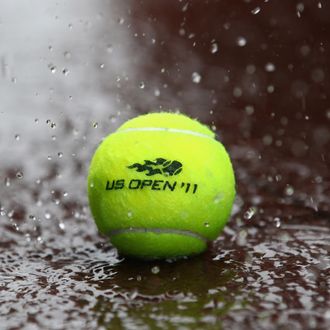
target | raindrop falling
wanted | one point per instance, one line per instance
(19, 175)
(196, 77)
(109, 49)
(7, 182)
(249, 109)
(133, 294)
(155, 270)
(67, 55)
(47, 215)
(241, 41)
(277, 222)
(52, 68)
(214, 48)
(289, 190)
(241, 238)
(248, 215)
(270, 67)
(256, 10)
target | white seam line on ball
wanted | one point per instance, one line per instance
(156, 231)
(169, 130)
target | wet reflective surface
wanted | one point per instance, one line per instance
(270, 269)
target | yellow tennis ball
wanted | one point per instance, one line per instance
(161, 186)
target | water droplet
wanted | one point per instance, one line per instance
(36, 120)
(52, 68)
(155, 270)
(91, 185)
(32, 217)
(319, 5)
(19, 175)
(328, 114)
(60, 154)
(139, 278)
(248, 215)
(185, 7)
(251, 69)
(214, 48)
(47, 215)
(218, 198)
(270, 67)
(305, 50)
(241, 41)
(28, 237)
(317, 75)
(270, 89)
(121, 20)
(133, 294)
(289, 190)
(237, 92)
(196, 77)
(249, 109)
(49, 157)
(300, 8)
(206, 224)
(102, 66)
(130, 214)
(53, 125)
(277, 222)
(7, 182)
(142, 85)
(65, 194)
(65, 71)
(241, 238)
(61, 225)
(95, 124)
(157, 92)
(67, 55)
(255, 10)
(17, 137)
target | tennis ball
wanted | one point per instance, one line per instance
(161, 186)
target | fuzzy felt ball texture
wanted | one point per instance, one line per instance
(161, 186)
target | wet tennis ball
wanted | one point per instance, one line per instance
(161, 186)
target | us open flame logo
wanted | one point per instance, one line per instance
(164, 167)
(158, 166)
